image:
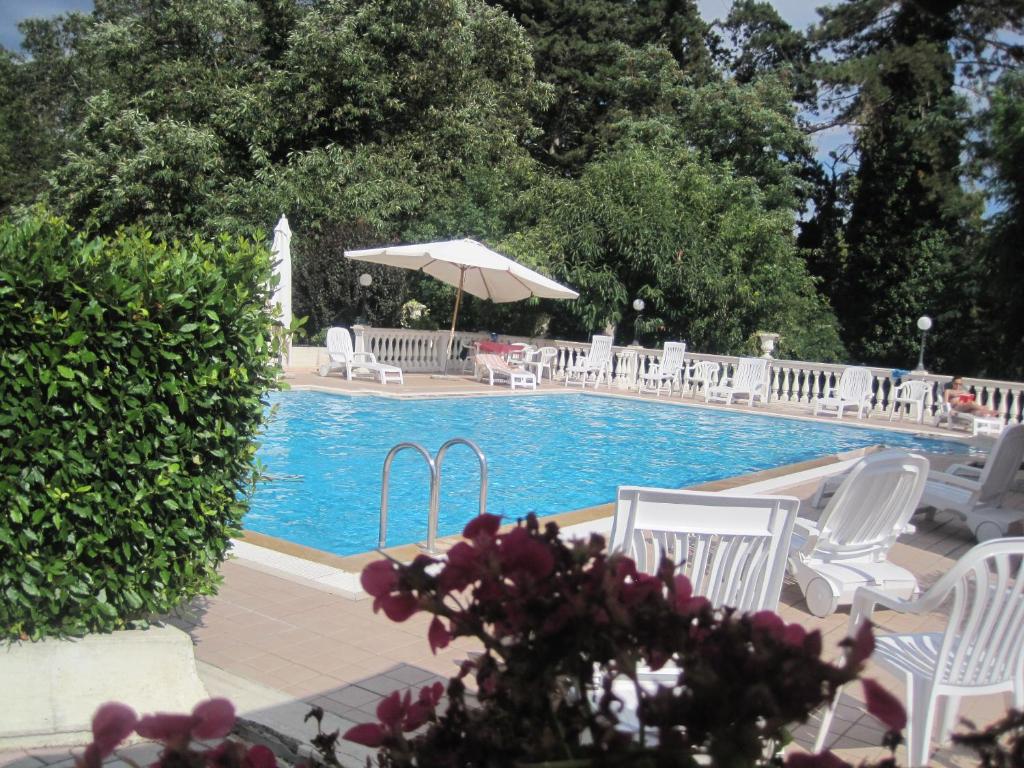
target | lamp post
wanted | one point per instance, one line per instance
(365, 281)
(638, 305)
(924, 323)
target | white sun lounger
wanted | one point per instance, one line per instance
(497, 368)
(341, 356)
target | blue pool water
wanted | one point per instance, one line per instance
(324, 454)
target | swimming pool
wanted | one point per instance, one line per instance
(324, 453)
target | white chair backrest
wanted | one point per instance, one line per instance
(1002, 465)
(983, 643)
(546, 354)
(915, 389)
(339, 344)
(673, 357)
(600, 351)
(706, 372)
(750, 374)
(855, 384)
(732, 548)
(871, 507)
(492, 361)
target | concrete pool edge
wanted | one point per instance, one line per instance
(340, 574)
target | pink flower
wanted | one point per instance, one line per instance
(367, 734)
(768, 621)
(379, 578)
(213, 719)
(165, 727)
(863, 645)
(391, 710)
(519, 552)
(437, 635)
(482, 525)
(111, 725)
(461, 570)
(640, 588)
(794, 635)
(259, 756)
(431, 694)
(396, 607)
(884, 706)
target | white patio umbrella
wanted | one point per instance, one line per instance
(471, 267)
(282, 254)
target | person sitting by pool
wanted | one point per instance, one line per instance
(962, 401)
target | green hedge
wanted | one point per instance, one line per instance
(132, 375)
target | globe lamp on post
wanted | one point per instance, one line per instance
(365, 281)
(638, 305)
(924, 323)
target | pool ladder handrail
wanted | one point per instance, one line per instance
(434, 463)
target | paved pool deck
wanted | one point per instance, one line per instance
(277, 638)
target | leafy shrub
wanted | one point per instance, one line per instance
(131, 378)
(559, 625)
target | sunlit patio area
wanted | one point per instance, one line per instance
(289, 630)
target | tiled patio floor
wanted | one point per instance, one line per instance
(323, 648)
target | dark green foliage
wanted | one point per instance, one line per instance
(131, 378)
(1000, 268)
(713, 263)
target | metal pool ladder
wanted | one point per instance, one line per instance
(434, 462)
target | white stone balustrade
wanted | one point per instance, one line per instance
(791, 381)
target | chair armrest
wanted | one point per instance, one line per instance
(965, 471)
(954, 480)
(364, 357)
(865, 599)
(805, 527)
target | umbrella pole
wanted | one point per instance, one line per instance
(455, 316)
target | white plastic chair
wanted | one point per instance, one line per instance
(495, 367)
(980, 651)
(543, 358)
(979, 501)
(341, 356)
(596, 363)
(915, 394)
(749, 379)
(701, 374)
(667, 371)
(732, 548)
(853, 390)
(848, 547)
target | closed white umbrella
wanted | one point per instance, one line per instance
(471, 267)
(281, 250)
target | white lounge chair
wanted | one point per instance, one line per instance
(915, 394)
(594, 365)
(848, 547)
(667, 371)
(978, 498)
(701, 374)
(853, 390)
(341, 356)
(989, 426)
(495, 367)
(732, 548)
(979, 652)
(748, 380)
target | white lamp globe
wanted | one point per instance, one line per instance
(638, 305)
(924, 323)
(365, 280)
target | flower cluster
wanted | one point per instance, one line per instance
(562, 626)
(213, 719)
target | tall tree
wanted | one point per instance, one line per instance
(1003, 262)
(890, 72)
(584, 48)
